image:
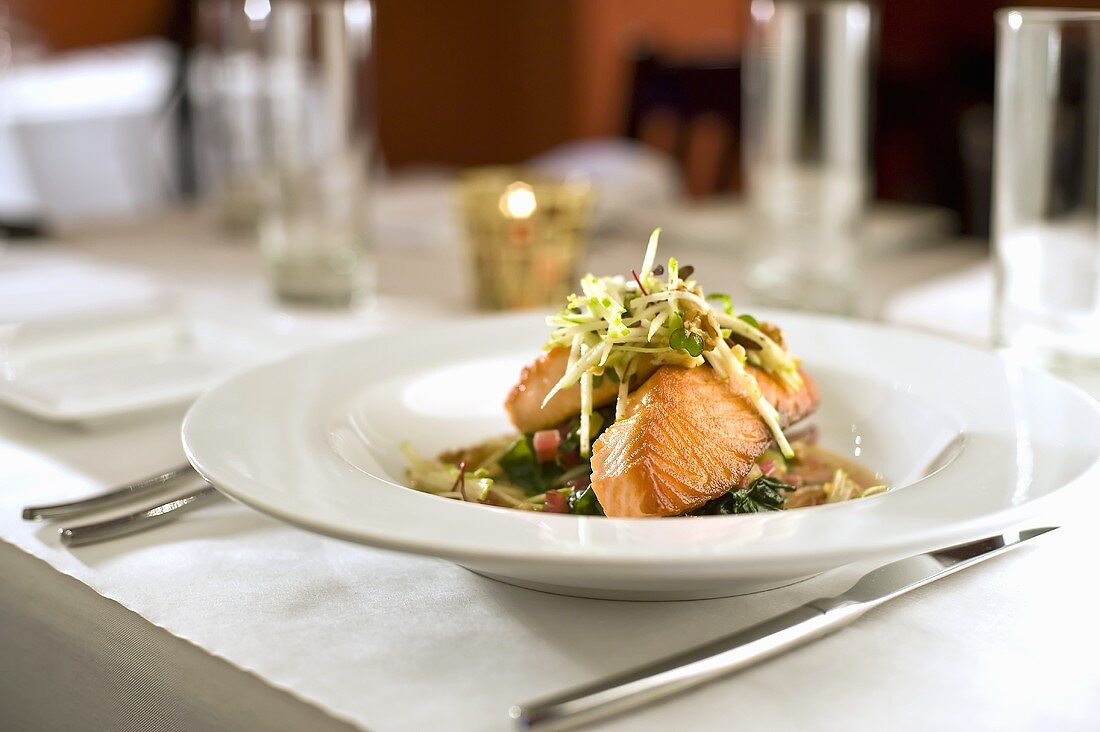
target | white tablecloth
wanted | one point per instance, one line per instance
(238, 620)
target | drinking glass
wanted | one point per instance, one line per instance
(1046, 186)
(225, 80)
(805, 143)
(525, 233)
(294, 80)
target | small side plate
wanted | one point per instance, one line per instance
(107, 370)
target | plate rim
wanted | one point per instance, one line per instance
(937, 535)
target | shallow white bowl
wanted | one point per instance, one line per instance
(314, 440)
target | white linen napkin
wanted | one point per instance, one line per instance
(82, 341)
(42, 289)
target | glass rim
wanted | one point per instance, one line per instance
(519, 173)
(761, 11)
(1047, 15)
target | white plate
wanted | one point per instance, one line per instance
(82, 341)
(314, 440)
(94, 371)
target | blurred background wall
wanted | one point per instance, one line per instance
(485, 81)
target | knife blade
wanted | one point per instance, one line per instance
(710, 661)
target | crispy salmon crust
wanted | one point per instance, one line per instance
(524, 401)
(687, 436)
(792, 406)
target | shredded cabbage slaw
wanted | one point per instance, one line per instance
(663, 316)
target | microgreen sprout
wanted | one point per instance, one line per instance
(660, 316)
(727, 303)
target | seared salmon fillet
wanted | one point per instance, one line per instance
(687, 436)
(791, 405)
(524, 402)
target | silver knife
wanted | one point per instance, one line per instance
(655, 681)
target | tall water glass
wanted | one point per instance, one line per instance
(314, 223)
(290, 86)
(226, 81)
(805, 145)
(1047, 186)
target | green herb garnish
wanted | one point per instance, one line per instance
(623, 319)
(727, 303)
(766, 493)
(571, 443)
(750, 320)
(682, 340)
(584, 502)
(522, 467)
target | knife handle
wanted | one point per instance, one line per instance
(697, 666)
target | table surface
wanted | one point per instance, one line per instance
(342, 635)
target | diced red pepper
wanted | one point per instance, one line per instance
(767, 467)
(556, 502)
(546, 445)
(579, 482)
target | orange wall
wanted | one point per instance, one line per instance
(64, 24)
(473, 81)
(504, 80)
(609, 31)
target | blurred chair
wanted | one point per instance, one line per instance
(695, 108)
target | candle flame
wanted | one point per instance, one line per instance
(518, 201)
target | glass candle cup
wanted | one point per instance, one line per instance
(526, 235)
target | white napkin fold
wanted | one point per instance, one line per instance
(82, 341)
(41, 290)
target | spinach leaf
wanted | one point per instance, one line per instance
(522, 467)
(584, 502)
(571, 443)
(766, 493)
